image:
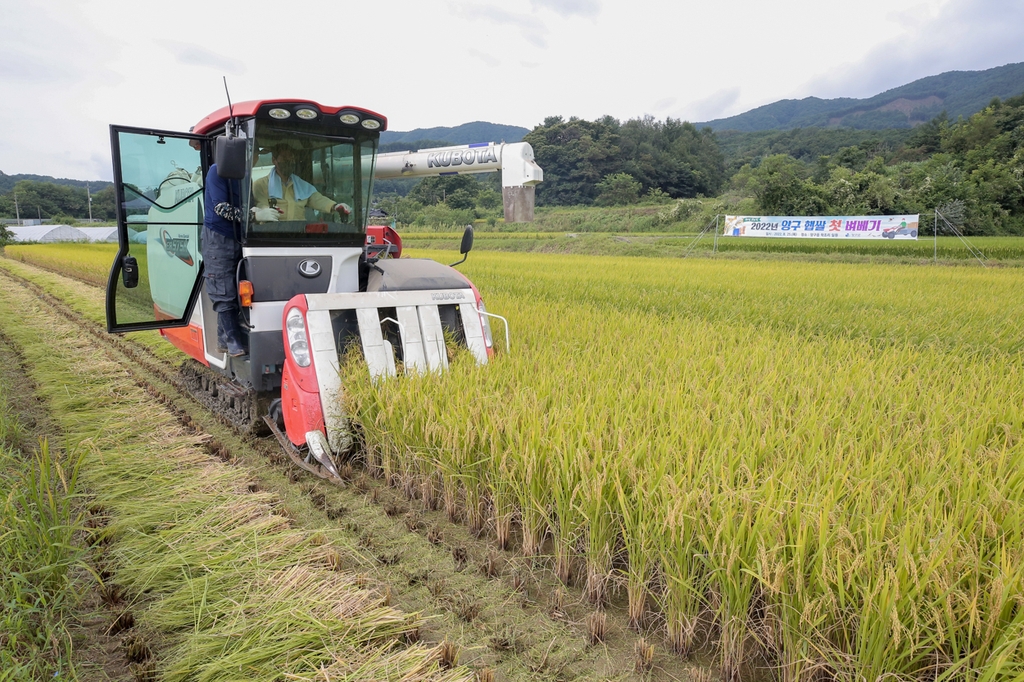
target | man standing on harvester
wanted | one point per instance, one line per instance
(222, 224)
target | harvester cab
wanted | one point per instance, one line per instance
(311, 281)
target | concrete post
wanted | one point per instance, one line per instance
(518, 203)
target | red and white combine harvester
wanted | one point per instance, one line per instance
(307, 288)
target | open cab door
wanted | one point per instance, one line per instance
(157, 275)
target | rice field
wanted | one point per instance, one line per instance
(810, 470)
(813, 465)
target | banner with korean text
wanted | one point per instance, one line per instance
(823, 227)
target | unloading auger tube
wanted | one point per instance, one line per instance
(314, 278)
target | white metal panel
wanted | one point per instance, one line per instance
(412, 339)
(328, 376)
(389, 299)
(474, 333)
(433, 337)
(379, 355)
(267, 316)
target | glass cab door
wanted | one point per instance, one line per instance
(158, 272)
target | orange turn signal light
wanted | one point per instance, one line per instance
(245, 292)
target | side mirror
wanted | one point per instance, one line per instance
(229, 155)
(467, 244)
(130, 272)
(467, 240)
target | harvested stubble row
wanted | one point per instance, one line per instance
(825, 459)
(225, 587)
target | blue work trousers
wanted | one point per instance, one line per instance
(220, 256)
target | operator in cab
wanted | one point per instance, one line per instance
(283, 195)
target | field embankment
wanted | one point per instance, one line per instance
(1000, 251)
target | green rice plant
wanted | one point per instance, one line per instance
(682, 560)
(736, 532)
(641, 508)
(39, 519)
(531, 484)
(597, 506)
(567, 521)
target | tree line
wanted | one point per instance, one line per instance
(669, 158)
(971, 170)
(34, 199)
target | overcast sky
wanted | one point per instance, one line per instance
(69, 68)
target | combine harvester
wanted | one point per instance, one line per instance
(307, 288)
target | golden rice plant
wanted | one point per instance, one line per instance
(824, 458)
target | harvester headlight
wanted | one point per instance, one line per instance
(371, 124)
(279, 114)
(306, 114)
(349, 119)
(298, 343)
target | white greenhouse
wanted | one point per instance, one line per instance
(48, 233)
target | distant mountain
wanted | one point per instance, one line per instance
(958, 93)
(7, 182)
(467, 133)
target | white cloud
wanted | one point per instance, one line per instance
(69, 68)
(531, 28)
(191, 54)
(664, 103)
(716, 105)
(965, 35)
(568, 8)
(487, 59)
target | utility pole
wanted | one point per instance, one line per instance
(17, 213)
(88, 196)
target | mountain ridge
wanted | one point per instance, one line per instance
(467, 133)
(7, 182)
(958, 93)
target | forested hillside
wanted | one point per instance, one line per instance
(971, 170)
(51, 199)
(664, 158)
(7, 182)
